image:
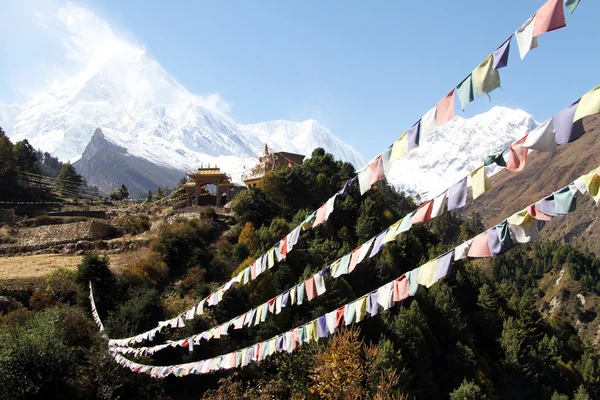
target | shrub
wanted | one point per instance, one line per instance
(133, 224)
(193, 277)
(249, 237)
(95, 269)
(150, 270)
(135, 315)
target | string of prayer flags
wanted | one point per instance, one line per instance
(465, 92)
(518, 156)
(558, 203)
(542, 138)
(457, 195)
(500, 55)
(445, 109)
(480, 182)
(571, 5)
(485, 77)
(521, 227)
(588, 105)
(564, 127)
(525, 38)
(549, 17)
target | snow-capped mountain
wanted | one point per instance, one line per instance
(149, 122)
(457, 148)
(141, 108)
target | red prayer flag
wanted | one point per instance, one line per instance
(423, 214)
(480, 247)
(339, 315)
(549, 17)
(518, 156)
(445, 109)
(271, 305)
(376, 171)
(283, 247)
(253, 271)
(537, 214)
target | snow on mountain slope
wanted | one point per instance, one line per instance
(140, 106)
(300, 137)
(457, 148)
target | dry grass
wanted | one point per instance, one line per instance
(25, 271)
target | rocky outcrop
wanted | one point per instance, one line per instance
(107, 166)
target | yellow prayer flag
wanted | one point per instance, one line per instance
(485, 77)
(426, 276)
(592, 184)
(334, 266)
(361, 308)
(519, 218)
(391, 233)
(589, 104)
(311, 331)
(400, 147)
(480, 182)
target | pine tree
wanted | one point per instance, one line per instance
(159, 193)
(25, 156)
(68, 178)
(123, 192)
(149, 196)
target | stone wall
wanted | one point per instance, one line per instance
(66, 233)
(78, 213)
(7, 215)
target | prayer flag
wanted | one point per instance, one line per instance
(542, 138)
(428, 125)
(379, 244)
(413, 285)
(457, 195)
(444, 263)
(445, 109)
(349, 313)
(589, 104)
(300, 293)
(499, 240)
(439, 204)
(525, 38)
(518, 156)
(549, 17)
(399, 148)
(592, 185)
(485, 78)
(497, 158)
(406, 223)
(363, 180)
(360, 306)
(385, 294)
(309, 284)
(461, 251)
(426, 275)
(400, 288)
(501, 54)
(571, 5)
(319, 283)
(465, 92)
(364, 250)
(423, 213)
(566, 130)
(372, 306)
(385, 158)
(321, 215)
(391, 233)
(480, 247)
(342, 268)
(537, 214)
(480, 182)
(354, 259)
(376, 171)
(412, 136)
(292, 238)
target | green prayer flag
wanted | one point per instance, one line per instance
(465, 92)
(497, 158)
(571, 5)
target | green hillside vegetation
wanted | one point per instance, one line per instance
(479, 334)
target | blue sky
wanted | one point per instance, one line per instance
(365, 70)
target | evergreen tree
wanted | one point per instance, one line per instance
(7, 157)
(581, 394)
(25, 156)
(468, 391)
(159, 193)
(68, 178)
(123, 192)
(149, 196)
